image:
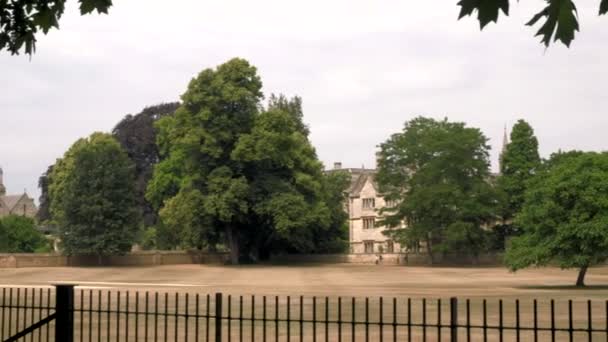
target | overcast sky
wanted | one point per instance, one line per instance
(363, 68)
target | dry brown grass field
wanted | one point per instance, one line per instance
(326, 283)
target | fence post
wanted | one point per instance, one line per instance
(218, 317)
(453, 319)
(64, 308)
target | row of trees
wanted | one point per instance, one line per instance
(551, 211)
(218, 170)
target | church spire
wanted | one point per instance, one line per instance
(2, 187)
(505, 142)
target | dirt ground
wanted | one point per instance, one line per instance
(327, 283)
(327, 280)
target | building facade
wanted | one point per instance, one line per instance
(363, 205)
(20, 204)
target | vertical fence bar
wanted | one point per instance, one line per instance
(64, 308)
(381, 324)
(409, 319)
(570, 325)
(263, 318)
(186, 319)
(468, 320)
(156, 312)
(229, 318)
(424, 319)
(252, 318)
(109, 306)
(453, 319)
(197, 311)
(218, 317)
(208, 313)
(517, 326)
(394, 319)
(98, 317)
(32, 317)
(366, 319)
(127, 318)
(276, 318)
(166, 316)
(10, 312)
(136, 316)
(353, 317)
(553, 320)
(302, 318)
(500, 325)
(339, 319)
(326, 319)
(535, 312)
(118, 318)
(438, 319)
(314, 319)
(176, 316)
(485, 321)
(4, 317)
(288, 318)
(146, 311)
(48, 311)
(17, 310)
(241, 318)
(589, 320)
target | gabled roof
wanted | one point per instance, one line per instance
(11, 200)
(359, 183)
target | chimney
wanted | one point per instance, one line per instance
(337, 165)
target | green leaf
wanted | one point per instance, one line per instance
(561, 22)
(487, 10)
(45, 19)
(603, 7)
(88, 6)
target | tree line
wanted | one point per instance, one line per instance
(218, 171)
(551, 211)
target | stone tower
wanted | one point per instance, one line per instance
(2, 188)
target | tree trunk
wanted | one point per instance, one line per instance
(429, 250)
(580, 280)
(233, 241)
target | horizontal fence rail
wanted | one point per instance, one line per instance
(115, 315)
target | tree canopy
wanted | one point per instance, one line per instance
(438, 174)
(564, 218)
(235, 172)
(558, 19)
(21, 20)
(137, 136)
(518, 163)
(18, 234)
(93, 201)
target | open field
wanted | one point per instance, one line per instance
(329, 283)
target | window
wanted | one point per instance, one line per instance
(369, 203)
(369, 246)
(390, 246)
(369, 222)
(391, 203)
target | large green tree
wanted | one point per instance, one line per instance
(93, 202)
(137, 136)
(564, 219)
(518, 163)
(234, 171)
(18, 234)
(437, 172)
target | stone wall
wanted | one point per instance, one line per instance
(132, 259)
(389, 259)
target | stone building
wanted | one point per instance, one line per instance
(20, 204)
(363, 203)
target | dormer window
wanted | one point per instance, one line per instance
(369, 203)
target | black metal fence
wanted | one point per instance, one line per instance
(67, 314)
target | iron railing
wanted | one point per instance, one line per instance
(67, 314)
